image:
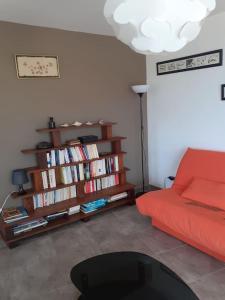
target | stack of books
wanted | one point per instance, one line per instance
(93, 206)
(73, 142)
(57, 215)
(49, 198)
(14, 214)
(29, 226)
(74, 210)
(71, 154)
(100, 184)
(117, 197)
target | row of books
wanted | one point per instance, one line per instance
(48, 179)
(71, 154)
(49, 198)
(18, 213)
(80, 172)
(100, 184)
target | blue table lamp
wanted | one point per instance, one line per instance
(19, 178)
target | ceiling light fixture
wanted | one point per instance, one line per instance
(157, 25)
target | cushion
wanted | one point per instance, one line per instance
(202, 164)
(206, 191)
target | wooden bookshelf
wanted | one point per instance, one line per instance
(81, 197)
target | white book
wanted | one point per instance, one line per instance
(79, 156)
(72, 151)
(48, 160)
(69, 175)
(116, 163)
(75, 174)
(52, 179)
(61, 157)
(66, 156)
(53, 160)
(96, 151)
(81, 171)
(63, 175)
(44, 180)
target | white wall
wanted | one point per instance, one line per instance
(185, 109)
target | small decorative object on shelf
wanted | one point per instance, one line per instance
(19, 177)
(88, 138)
(65, 125)
(101, 122)
(51, 123)
(44, 145)
(67, 181)
(89, 123)
(76, 123)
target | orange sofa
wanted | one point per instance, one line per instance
(201, 174)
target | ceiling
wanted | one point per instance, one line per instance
(75, 15)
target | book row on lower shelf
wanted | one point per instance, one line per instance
(12, 215)
(80, 172)
(66, 193)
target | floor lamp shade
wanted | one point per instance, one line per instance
(140, 89)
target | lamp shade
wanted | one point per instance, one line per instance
(140, 89)
(19, 177)
(154, 26)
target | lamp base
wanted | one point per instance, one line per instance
(21, 190)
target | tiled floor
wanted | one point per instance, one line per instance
(39, 268)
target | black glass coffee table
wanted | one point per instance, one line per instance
(128, 276)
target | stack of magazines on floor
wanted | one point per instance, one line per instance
(93, 206)
(14, 214)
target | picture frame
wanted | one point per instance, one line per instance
(37, 66)
(223, 92)
(193, 62)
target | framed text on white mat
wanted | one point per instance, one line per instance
(189, 63)
(30, 66)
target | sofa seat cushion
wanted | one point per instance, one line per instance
(199, 222)
(206, 191)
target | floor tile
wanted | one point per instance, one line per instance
(189, 263)
(40, 267)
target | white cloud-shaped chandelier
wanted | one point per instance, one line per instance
(157, 25)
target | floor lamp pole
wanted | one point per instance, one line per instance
(142, 143)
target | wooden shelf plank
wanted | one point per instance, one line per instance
(36, 169)
(67, 220)
(31, 192)
(100, 141)
(76, 127)
(63, 205)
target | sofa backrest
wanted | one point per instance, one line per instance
(200, 163)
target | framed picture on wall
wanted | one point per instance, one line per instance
(223, 92)
(29, 66)
(189, 63)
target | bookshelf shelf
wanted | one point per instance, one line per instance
(106, 124)
(37, 169)
(68, 220)
(30, 192)
(115, 156)
(100, 141)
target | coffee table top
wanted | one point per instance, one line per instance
(128, 276)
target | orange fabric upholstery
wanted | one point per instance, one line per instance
(200, 163)
(206, 191)
(200, 225)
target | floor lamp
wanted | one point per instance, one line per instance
(140, 90)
